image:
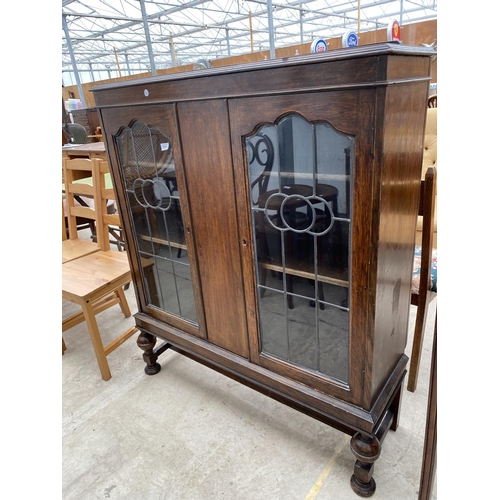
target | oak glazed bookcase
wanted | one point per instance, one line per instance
(269, 212)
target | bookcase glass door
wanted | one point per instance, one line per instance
(300, 176)
(147, 163)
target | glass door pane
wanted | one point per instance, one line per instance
(146, 159)
(300, 188)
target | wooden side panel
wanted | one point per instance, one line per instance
(402, 148)
(399, 67)
(204, 130)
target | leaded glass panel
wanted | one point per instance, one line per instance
(300, 189)
(147, 162)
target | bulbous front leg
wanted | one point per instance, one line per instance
(366, 449)
(147, 342)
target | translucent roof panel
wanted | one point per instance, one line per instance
(101, 37)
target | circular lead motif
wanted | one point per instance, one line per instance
(267, 208)
(332, 216)
(306, 201)
(294, 201)
(147, 193)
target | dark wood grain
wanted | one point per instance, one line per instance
(210, 183)
(278, 76)
(399, 156)
(376, 94)
(315, 403)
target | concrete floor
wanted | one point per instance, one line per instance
(189, 433)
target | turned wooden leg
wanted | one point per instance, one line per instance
(366, 449)
(147, 342)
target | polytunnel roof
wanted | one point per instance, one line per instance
(146, 35)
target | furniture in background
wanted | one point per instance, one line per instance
(89, 119)
(432, 101)
(429, 159)
(342, 363)
(428, 471)
(89, 150)
(424, 283)
(422, 293)
(110, 217)
(79, 211)
(98, 150)
(78, 132)
(95, 281)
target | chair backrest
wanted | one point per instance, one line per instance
(79, 133)
(105, 195)
(426, 209)
(81, 180)
(430, 157)
(64, 233)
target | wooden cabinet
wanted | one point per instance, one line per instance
(269, 213)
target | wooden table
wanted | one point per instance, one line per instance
(90, 150)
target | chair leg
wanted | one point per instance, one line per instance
(123, 302)
(63, 346)
(95, 337)
(416, 350)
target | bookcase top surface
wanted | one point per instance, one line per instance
(363, 51)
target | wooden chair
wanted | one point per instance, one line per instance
(95, 281)
(75, 213)
(432, 101)
(429, 159)
(424, 286)
(429, 462)
(110, 218)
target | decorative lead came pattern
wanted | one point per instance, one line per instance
(146, 159)
(300, 194)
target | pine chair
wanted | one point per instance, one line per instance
(424, 283)
(110, 219)
(95, 281)
(75, 213)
